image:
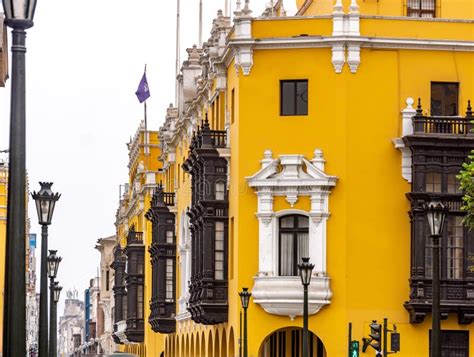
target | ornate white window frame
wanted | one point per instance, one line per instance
(184, 251)
(291, 176)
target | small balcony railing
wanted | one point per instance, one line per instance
(168, 198)
(454, 125)
(134, 237)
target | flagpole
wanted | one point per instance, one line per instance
(147, 153)
(177, 53)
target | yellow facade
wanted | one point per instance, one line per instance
(361, 63)
(144, 175)
(3, 234)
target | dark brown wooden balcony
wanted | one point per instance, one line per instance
(452, 125)
(134, 237)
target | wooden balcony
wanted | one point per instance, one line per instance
(442, 125)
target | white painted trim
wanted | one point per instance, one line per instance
(290, 176)
(407, 129)
(381, 42)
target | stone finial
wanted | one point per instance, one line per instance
(338, 6)
(407, 114)
(469, 109)
(238, 10)
(354, 7)
(419, 109)
(246, 10)
(318, 159)
(267, 158)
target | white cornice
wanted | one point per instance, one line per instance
(329, 41)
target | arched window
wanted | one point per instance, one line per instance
(293, 243)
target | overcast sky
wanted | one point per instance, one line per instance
(84, 61)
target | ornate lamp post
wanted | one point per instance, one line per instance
(19, 16)
(55, 292)
(45, 201)
(436, 215)
(244, 299)
(53, 265)
(306, 269)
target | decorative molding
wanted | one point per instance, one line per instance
(283, 295)
(290, 176)
(407, 129)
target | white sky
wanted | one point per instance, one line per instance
(84, 61)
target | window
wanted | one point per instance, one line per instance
(232, 106)
(140, 301)
(294, 97)
(169, 236)
(169, 280)
(220, 191)
(453, 343)
(421, 8)
(107, 280)
(433, 182)
(219, 252)
(453, 184)
(455, 248)
(444, 98)
(293, 243)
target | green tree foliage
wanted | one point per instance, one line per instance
(466, 179)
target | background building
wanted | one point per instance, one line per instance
(105, 318)
(3, 52)
(32, 300)
(71, 325)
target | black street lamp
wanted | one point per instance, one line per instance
(19, 16)
(244, 299)
(436, 215)
(55, 292)
(53, 265)
(45, 201)
(306, 269)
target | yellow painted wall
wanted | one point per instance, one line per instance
(153, 343)
(352, 118)
(454, 9)
(3, 234)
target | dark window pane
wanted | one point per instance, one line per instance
(451, 99)
(302, 98)
(444, 99)
(436, 99)
(287, 98)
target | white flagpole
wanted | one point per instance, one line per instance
(200, 24)
(146, 148)
(177, 53)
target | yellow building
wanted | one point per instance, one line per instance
(3, 234)
(133, 279)
(302, 136)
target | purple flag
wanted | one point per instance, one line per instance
(143, 92)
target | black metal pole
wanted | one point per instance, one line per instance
(240, 337)
(51, 312)
(14, 326)
(305, 321)
(43, 308)
(385, 330)
(350, 340)
(436, 327)
(246, 351)
(53, 338)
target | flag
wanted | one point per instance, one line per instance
(143, 92)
